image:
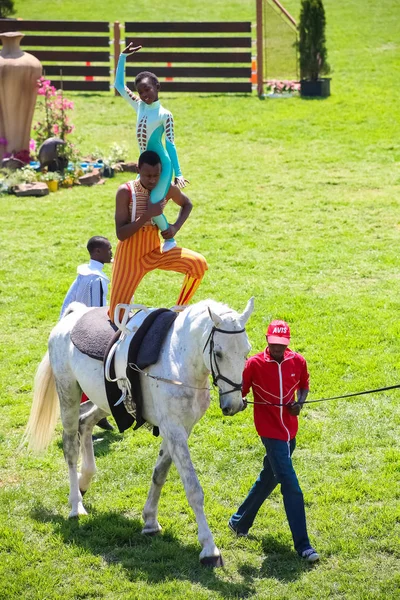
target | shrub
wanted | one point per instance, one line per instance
(311, 45)
(6, 8)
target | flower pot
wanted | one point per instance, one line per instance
(319, 88)
(52, 185)
(279, 95)
(107, 171)
(19, 72)
(68, 182)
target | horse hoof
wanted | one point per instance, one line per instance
(151, 531)
(212, 561)
(80, 511)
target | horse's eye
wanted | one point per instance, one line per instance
(218, 354)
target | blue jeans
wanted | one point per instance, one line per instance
(278, 468)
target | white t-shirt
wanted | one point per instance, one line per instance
(90, 287)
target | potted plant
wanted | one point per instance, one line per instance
(116, 155)
(312, 50)
(52, 178)
(67, 179)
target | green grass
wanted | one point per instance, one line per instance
(296, 202)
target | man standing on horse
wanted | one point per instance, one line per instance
(139, 250)
(274, 376)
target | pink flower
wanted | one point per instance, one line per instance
(56, 129)
(45, 88)
(32, 145)
(3, 141)
(23, 155)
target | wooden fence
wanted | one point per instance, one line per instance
(85, 44)
(217, 59)
(229, 66)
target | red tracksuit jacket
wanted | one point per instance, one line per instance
(275, 383)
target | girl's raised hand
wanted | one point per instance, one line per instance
(181, 182)
(131, 49)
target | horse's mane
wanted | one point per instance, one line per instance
(218, 308)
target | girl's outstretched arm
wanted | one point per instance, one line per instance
(119, 84)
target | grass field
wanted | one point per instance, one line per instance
(297, 203)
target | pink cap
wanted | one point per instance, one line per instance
(278, 332)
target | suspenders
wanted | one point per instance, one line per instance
(101, 294)
(131, 188)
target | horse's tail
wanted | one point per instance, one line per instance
(45, 408)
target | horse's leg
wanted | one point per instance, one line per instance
(151, 524)
(70, 393)
(86, 423)
(176, 437)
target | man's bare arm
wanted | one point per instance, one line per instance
(177, 196)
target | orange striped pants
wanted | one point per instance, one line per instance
(140, 254)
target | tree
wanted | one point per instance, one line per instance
(312, 42)
(6, 8)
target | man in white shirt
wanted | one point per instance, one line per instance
(91, 286)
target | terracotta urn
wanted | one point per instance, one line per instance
(19, 72)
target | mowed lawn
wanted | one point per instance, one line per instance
(295, 202)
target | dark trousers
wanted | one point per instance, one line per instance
(278, 468)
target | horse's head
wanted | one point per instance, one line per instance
(225, 354)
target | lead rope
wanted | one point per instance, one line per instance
(382, 389)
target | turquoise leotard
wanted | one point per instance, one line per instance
(152, 121)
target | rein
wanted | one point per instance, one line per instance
(382, 389)
(134, 367)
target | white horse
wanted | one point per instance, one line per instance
(200, 342)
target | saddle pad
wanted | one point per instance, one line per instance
(93, 332)
(150, 347)
(146, 345)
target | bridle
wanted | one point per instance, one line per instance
(215, 372)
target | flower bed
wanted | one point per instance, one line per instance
(282, 89)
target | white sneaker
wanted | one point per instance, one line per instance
(168, 245)
(310, 555)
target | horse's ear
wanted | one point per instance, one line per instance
(214, 318)
(244, 317)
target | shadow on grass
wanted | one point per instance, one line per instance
(99, 94)
(102, 441)
(312, 98)
(118, 540)
(281, 562)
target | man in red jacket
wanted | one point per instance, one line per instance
(274, 376)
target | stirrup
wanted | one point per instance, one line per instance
(128, 308)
